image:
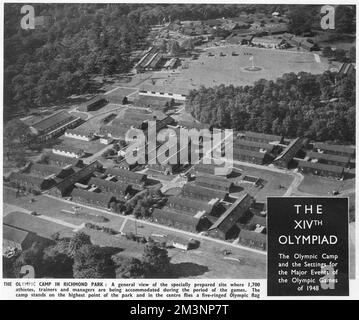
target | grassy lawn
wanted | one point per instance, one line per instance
(107, 108)
(214, 70)
(81, 115)
(121, 92)
(88, 146)
(205, 262)
(136, 79)
(321, 186)
(51, 207)
(209, 255)
(173, 192)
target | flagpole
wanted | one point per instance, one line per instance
(252, 62)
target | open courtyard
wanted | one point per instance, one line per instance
(217, 66)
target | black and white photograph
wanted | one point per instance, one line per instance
(144, 141)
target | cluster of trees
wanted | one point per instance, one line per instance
(156, 14)
(77, 257)
(339, 54)
(155, 263)
(113, 151)
(141, 204)
(17, 135)
(51, 62)
(319, 107)
(19, 142)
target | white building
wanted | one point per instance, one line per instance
(68, 151)
(76, 134)
(270, 43)
(180, 244)
(164, 91)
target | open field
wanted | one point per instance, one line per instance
(209, 254)
(48, 206)
(321, 186)
(214, 70)
(110, 107)
(120, 92)
(205, 262)
(88, 146)
(173, 192)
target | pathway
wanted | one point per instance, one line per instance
(160, 226)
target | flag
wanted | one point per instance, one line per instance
(251, 58)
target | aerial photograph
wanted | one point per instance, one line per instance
(111, 167)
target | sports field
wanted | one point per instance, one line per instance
(213, 68)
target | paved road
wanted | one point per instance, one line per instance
(185, 233)
(96, 155)
(298, 178)
(63, 223)
(11, 208)
(89, 116)
(293, 188)
(123, 224)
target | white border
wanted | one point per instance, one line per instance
(354, 284)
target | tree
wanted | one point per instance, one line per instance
(129, 268)
(345, 19)
(300, 19)
(57, 264)
(16, 131)
(327, 52)
(174, 48)
(352, 54)
(137, 211)
(340, 55)
(187, 45)
(113, 206)
(156, 260)
(91, 261)
(162, 46)
(78, 240)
